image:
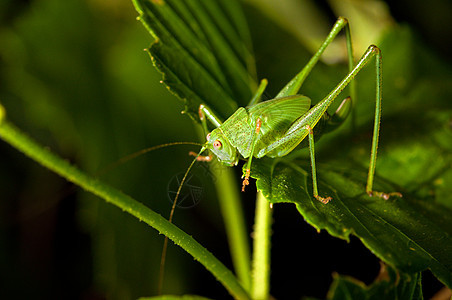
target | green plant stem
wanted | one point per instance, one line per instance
(23, 143)
(234, 220)
(261, 249)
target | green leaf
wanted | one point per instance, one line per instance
(203, 50)
(206, 60)
(391, 286)
(395, 230)
(412, 233)
(10, 134)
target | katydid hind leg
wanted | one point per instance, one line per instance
(324, 200)
(297, 132)
(339, 116)
(320, 108)
(295, 84)
(376, 132)
(293, 138)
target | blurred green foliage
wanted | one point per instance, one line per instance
(74, 76)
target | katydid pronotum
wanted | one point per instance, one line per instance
(275, 127)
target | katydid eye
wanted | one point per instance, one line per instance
(217, 145)
(208, 136)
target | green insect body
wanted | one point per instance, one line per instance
(279, 132)
(274, 128)
(284, 124)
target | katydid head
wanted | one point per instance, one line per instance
(223, 150)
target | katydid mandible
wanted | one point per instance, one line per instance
(274, 128)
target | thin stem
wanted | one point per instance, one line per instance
(234, 220)
(261, 249)
(23, 143)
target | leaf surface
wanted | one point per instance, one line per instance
(389, 286)
(206, 59)
(412, 233)
(203, 50)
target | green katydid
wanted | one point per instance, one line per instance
(276, 127)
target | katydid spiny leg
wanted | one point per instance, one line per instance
(304, 125)
(205, 113)
(256, 99)
(324, 200)
(299, 129)
(247, 174)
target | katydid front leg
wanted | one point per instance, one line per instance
(205, 158)
(256, 99)
(247, 174)
(205, 114)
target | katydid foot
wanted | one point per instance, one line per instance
(201, 157)
(383, 195)
(246, 181)
(324, 200)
